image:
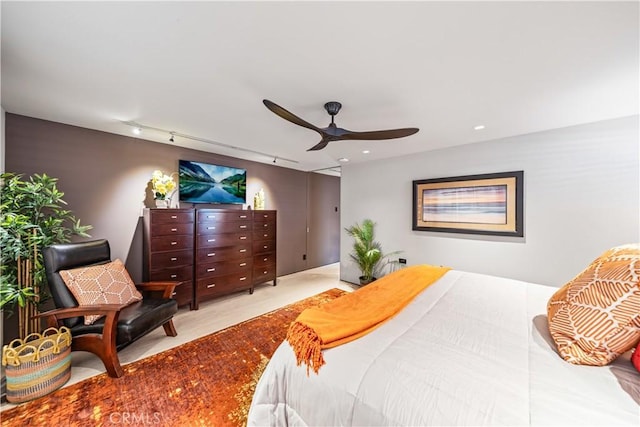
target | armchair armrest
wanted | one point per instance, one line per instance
(166, 288)
(110, 311)
(81, 310)
(104, 344)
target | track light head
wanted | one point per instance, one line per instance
(171, 139)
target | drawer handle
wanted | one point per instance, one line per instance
(173, 276)
(265, 247)
(173, 230)
(264, 272)
(211, 240)
(265, 215)
(174, 216)
(213, 285)
(243, 216)
(266, 225)
(243, 237)
(174, 243)
(243, 250)
(211, 228)
(265, 235)
(211, 216)
(174, 259)
(242, 264)
(265, 259)
(243, 226)
(173, 294)
(243, 278)
(212, 254)
(209, 270)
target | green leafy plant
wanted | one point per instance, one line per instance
(367, 252)
(32, 216)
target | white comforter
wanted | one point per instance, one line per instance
(470, 350)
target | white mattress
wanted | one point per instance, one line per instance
(470, 350)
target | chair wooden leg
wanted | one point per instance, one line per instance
(112, 363)
(108, 354)
(169, 329)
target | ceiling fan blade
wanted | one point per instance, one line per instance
(320, 145)
(287, 115)
(380, 134)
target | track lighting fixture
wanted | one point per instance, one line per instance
(137, 129)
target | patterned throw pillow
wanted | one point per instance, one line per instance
(101, 284)
(596, 316)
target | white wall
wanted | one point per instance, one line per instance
(2, 114)
(581, 196)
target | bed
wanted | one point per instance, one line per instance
(471, 349)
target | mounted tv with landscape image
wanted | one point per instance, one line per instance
(206, 183)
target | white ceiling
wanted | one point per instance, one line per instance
(202, 69)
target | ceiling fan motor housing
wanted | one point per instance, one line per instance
(332, 107)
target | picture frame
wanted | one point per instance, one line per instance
(489, 204)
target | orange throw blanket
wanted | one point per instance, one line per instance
(357, 313)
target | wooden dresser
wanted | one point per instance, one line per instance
(214, 252)
(264, 247)
(223, 253)
(168, 249)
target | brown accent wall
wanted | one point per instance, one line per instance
(105, 180)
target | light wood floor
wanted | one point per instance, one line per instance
(215, 315)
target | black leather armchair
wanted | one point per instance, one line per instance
(121, 325)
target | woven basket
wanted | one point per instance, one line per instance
(37, 365)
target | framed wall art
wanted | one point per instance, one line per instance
(490, 204)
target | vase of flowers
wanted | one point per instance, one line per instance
(163, 187)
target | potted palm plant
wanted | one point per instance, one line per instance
(32, 216)
(367, 252)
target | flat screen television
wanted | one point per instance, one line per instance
(206, 183)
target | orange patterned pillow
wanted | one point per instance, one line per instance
(596, 316)
(101, 284)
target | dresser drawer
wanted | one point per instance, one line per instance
(172, 216)
(264, 234)
(264, 216)
(217, 240)
(224, 227)
(206, 215)
(172, 274)
(160, 260)
(207, 255)
(172, 229)
(263, 246)
(224, 267)
(260, 226)
(264, 259)
(184, 293)
(171, 243)
(264, 273)
(223, 284)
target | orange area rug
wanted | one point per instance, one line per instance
(206, 382)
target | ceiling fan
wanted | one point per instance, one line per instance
(333, 132)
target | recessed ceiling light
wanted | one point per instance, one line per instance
(137, 131)
(343, 159)
(366, 152)
(479, 127)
